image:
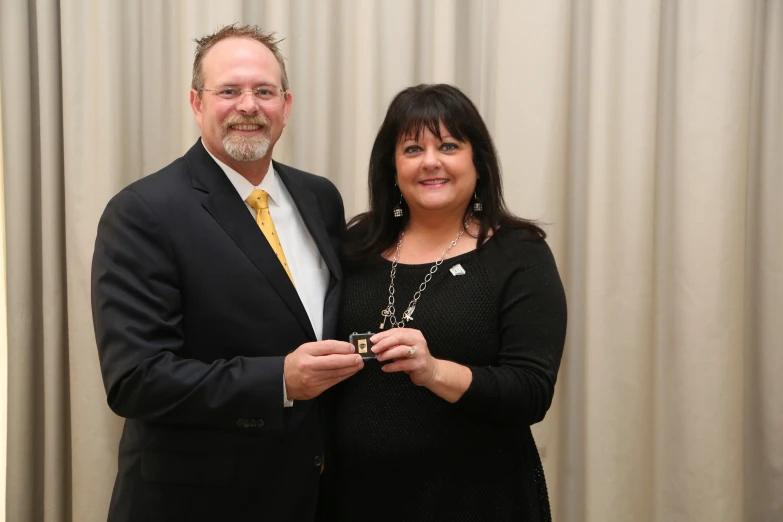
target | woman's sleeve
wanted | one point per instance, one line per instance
(519, 387)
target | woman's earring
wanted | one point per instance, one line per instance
(398, 208)
(477, 206)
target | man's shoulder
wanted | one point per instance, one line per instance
(159, 186)
(157, 191)
(174, 173)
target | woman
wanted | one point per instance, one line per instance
(470, 316)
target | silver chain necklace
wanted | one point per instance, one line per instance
(388, 312)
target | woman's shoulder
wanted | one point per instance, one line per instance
(518, 247)
(355, 254)
(359, 228)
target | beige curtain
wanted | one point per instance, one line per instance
(648, 134)
(3, 334)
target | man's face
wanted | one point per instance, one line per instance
(243, 129)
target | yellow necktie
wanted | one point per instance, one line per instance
(259, 201)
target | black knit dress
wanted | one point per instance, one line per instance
(401, 453)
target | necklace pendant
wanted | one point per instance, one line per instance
(408, 314)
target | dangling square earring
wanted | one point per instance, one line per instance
(477, 206)
(398, 208)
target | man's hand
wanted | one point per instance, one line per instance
(315, 367)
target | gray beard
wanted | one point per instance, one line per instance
(243, 148)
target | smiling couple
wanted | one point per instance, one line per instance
(225, 287)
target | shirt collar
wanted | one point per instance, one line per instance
(269, 184)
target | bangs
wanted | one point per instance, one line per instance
(428, 111)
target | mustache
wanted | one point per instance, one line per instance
(236, 119)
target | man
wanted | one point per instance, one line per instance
(214, 282)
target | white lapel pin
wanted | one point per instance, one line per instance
(457, 270)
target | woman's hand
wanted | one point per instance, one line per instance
(407, 347)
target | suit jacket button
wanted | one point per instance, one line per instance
(260, 423)
(252, 423)
(239, 422)
(246, 423)
(317, 461)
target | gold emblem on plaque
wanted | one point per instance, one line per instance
(362, 345)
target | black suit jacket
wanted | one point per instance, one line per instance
(193, 316)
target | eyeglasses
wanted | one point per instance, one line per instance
(267, 94)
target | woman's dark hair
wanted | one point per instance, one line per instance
(410, 112)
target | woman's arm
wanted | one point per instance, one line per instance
(408, 349)
(519, 388)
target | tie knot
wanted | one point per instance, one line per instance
(258, 199)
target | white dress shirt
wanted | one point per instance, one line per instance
(310, 273)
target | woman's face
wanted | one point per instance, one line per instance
(435, 175)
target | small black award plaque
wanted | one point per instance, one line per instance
(362, 344)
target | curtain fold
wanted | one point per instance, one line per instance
(38, 465)
(647, 136)
(762, 419)
(3, 334)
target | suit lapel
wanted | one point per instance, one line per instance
(307, 205)
(226, 207)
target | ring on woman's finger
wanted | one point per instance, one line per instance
(411, 351)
